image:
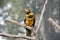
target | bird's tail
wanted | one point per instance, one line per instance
(28, 32)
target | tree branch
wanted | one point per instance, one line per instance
(23, 25)
(54, 23)
(16, 36)
(41, 16)
(17, 23)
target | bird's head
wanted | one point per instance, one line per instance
(27, 11)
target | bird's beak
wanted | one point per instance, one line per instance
(26, 10)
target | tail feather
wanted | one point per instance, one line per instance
(28, 32)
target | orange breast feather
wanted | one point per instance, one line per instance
(29, 22)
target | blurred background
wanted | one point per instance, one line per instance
(14, 9)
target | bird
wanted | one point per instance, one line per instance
(29, 21)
